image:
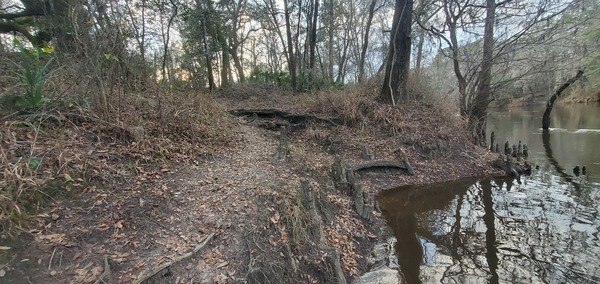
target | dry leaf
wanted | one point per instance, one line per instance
(275, 219)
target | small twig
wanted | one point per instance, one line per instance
(7, 116)
(256, 244)
(149, 273)
(51, 257)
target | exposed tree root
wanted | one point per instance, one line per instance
(147, 274)
(407, 164)
(278, 118)
(379, 164)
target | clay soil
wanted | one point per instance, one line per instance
(217, 212)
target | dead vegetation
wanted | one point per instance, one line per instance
(56, 151)
(580, 94)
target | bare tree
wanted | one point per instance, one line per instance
(365, 43)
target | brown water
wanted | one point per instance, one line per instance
(544, 230)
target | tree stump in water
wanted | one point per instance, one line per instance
(507, 150)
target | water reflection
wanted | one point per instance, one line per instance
(497, 231)
(472, 231)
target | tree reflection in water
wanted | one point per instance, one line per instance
(484, 231)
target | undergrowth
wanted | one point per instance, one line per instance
(72, 149)
(358, 107)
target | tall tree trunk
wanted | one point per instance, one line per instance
(167, 37)
(237, 62)
(313, 39)
(398, 63)
(462, 82)
(344, 56)
(208, 61)
(225, 65)
(330, 42)
(550, 104)
(478, 116)
(290, 45)
(207, 58)
(365, 43)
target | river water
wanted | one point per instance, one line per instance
(542, 230)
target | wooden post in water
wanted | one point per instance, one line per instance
(493, 139)
(507, 149)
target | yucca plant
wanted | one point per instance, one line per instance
(33, 75)
(34, 78)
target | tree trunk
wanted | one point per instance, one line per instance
(365, 43)
(313, 39)
(478, 115)
(290, 45)
(398, 63)
(550, 104)
(462, 83)
(225, 66)
(207, 58)
(330, 35)
(167, 37)
(237, 62)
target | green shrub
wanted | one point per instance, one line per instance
(31, 75)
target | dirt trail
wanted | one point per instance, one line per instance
(137, 230)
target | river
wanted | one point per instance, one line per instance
(544, 229)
